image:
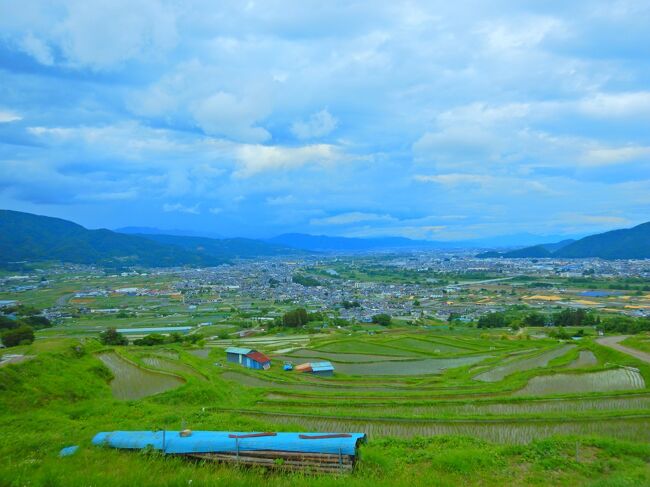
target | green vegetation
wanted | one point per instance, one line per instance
(112, 337)
(23, 335)
(305, 280)
(478, 433)
(382, 319)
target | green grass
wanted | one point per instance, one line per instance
(62, 397)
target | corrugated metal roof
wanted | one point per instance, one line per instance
(239, 351)
(321, 366)
(222, 441)
(258, 357)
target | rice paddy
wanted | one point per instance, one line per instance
(132, 382)
(604, 381)
(499, 373)
(409, 367)
(508, 432)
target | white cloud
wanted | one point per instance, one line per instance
(352, 217)
(629, 104)
(223, 114)
(38, 49)
(454, 179)
(254, 159)
(317, 125)
(616, 155)
(216, 211)
(281, 200)
(7, 116)
(180, 208)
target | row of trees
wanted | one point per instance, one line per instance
(565, 317)
(112, 337)
(299, 317)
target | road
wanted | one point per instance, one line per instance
(613, 342)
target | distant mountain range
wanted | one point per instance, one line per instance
(324, 243)
(168, 231)
(631, 243)
(230, 248)
(28, 237)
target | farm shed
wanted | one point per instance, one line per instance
(324, 369)
(248, 358)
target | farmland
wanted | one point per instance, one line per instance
(465, 405)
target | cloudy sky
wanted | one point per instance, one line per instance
(437, 120)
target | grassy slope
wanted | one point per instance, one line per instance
(62, 398)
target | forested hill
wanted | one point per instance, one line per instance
(28, 237)
(230, 248)
(630, 243)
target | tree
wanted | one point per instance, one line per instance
(150, 340)
(382, 319)
(534, 319)
(37, 322)
(8, 323)
(492, 320)
(296, 318)
(23, 335)
(112, 337)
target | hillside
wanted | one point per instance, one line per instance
(28, 237)
(229, 248)
(630, 243)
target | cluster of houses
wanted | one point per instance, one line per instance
(253, 359)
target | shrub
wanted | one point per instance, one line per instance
(382, 319)
(23, 335)
(112, 337)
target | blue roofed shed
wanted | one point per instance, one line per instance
(248, 358)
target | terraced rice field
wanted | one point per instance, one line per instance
(604, 381)
(427, 346)
(509, 431)
(133, 382)
(341, 357)
(586, 358)
(171, 366)
(353, 346)
(410, 367)
(541, 360)
(448, 409)
(503, 390)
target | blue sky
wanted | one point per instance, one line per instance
(436, 120)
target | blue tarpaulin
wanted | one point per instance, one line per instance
(227, 441)
(68, 450)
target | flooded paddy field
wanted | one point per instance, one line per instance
(499, 373)
(427, 346)
(304, 353)
(509, 432)
(445, 409)
(171, 366)
(132, 382)
(620, 379)
(410, 367)
(586, 358)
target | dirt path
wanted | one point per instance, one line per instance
(613, 342)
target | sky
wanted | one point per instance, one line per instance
(432, 120)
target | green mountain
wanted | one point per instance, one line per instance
(630, 243)
(229, 248)
(28, 237)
